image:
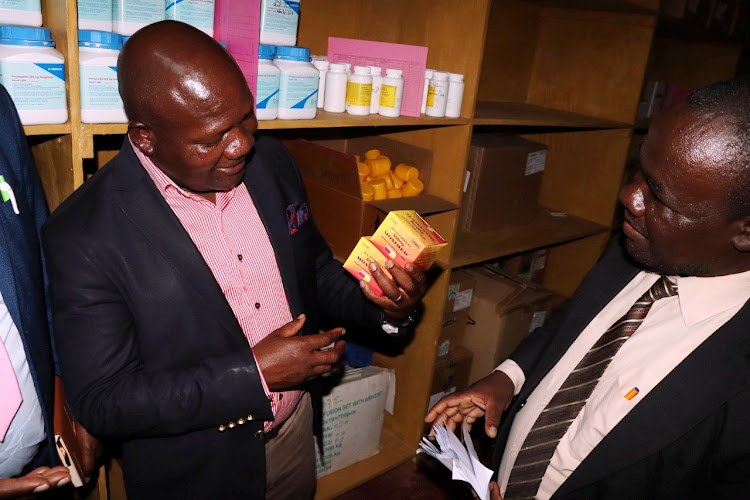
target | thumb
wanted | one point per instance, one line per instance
(291, 328)
(492, 420)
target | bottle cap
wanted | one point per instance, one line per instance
(99, 39)
(25, 35)
(361, 70)
(455, 77)
(292, 53)
(376, 70)
(266, 51)
(337, 67)
(440, 76)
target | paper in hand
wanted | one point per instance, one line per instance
(462, 461)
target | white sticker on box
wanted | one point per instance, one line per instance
(453, 290)
(535, 162)
(444, 347)
(537, 320)
(463, 299)
(466, 180)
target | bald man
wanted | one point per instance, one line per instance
(186, 304)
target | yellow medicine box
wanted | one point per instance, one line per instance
(358, 263)
(404, 237)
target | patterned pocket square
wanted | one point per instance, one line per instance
(296, 215)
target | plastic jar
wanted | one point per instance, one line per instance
(97, 56)
(455, 95)
(278, 22)
(437, 94)
(128, 16)
(377, 81)
(335, 96)
(267, 93)
(427, 77)
(95, 15)
(21, 12)
(322, 66)
(34, 74)
(196, 13)
(391, 91)
(298, 84)
(359, 91)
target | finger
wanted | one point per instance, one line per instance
(291, 328)
(403, 278)
(418, 279)
(492, 419)
(328, 357)
(387, 285)
(495, 491)
(324, 339)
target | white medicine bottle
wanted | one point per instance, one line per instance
(427, 77)
(391, 92)
(278, 22)
(455, 95)
(100, 97)
(322, 66)
(21, 12)
(377, 81)
(359, 91)
(335, 92)
(267, 91)
(437, 94)
(298, 83)
(94, 15)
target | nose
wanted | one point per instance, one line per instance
(631, 197)
(240, 144)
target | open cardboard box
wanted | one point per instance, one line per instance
(329, 169)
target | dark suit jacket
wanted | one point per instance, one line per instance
(149, 347)
(22, 278)
(688, 438)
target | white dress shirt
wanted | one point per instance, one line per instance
(673, 328)
(26, 430)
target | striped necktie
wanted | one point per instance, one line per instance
(539, 447)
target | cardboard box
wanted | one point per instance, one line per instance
(451, 373)
(329, 169)
(353, 417)
(406, 237)
(504, 176)
(456, 313)
(504, 310)
(528, 266)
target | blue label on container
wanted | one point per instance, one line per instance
(24, 5)
(54, 69)
(267, 95)
(298, 91)
(293, 5)
(95, 10)
(99, 88)
(198, 13)
(34, 86)
(279, 17)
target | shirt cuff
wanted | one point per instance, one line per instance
(262, 378)
(514, 373)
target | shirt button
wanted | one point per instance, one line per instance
(239, 257)
(257, 305)
(281, 396)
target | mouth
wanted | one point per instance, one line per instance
(235, 169)
(631, 230)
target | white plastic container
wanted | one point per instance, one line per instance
(196, 13)
(298, 84)
(97, 56)
(437, 94)
(128, 16)
(427, 77)
(95, 15)
(377, 81)
(335, 95)
(267, 94)
(21, 12)
(322, 66)
(278, 22)
(391, 92)
(359, 91)
(455, 95)
(33, 72)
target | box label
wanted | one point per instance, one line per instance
(535, 162)
(463, 299)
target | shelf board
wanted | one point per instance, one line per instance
(63, 128)
(104, 128)
(324, 119)
(522, 114)
(548, 228)
(393, 452)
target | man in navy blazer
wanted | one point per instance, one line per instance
(150, 346)
(668, 417)
(22, 292)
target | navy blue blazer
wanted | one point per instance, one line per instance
(22, 276)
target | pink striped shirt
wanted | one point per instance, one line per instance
(233, 241)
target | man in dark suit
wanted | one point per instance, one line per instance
(179, 256)
(654, 404)
(27, 452)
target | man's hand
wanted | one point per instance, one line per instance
(495, 491)
(36, 481)
(91, 451)
(489, 396)
(287, 361)
(402, 294)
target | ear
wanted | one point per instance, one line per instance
(741, 239)
(143, 137)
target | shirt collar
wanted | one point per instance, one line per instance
(704, 297)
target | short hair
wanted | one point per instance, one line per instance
(731, 99)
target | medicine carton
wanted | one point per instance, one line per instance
(406, 237)
(358, 263)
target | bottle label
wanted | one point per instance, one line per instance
(138, 11)
(298, 91)
(198, 13)
(24, 5)
(359, 94)
(388, 95)
(430, 96)
(99, 88)
(267, 95)
(280, 17)
(94, 10)
(35, 86)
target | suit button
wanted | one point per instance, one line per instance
(241, 421)
(231, 425)
(222, 428)
(258, 434)
(250, 417)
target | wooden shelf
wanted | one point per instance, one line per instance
(324, 119)
(548, 228)
(393, 452)
(518, 113)
(63, 128)
(104, 128)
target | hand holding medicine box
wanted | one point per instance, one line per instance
(358, 263)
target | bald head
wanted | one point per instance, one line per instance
(171, 63)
